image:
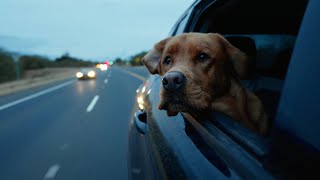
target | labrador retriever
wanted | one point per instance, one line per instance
(202, 72)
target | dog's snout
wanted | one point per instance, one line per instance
(173, 80)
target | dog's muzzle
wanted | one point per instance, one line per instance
(173, 80)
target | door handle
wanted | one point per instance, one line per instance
(140, 121)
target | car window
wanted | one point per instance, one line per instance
(269, 42)
(269, 46)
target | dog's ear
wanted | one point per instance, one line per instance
(152, 58)
(239, 59)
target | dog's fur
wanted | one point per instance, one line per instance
(211, 84)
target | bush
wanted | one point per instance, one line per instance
(31, 62)
(7, 67)
(67, 61)
(35, 62)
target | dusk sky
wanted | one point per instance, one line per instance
(90, 29)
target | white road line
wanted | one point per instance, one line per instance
(106, 81)
(93, 102)
(35, 95)
(52, 172)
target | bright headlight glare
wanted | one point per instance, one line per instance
(140, 100)
(91, 74)
(143, 89)
(141, 106)
(103, 67)
(79, 74)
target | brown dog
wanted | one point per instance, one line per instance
(201, 72)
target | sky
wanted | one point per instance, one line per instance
(89, 29)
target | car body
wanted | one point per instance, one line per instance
(285, 44)
(86, 73)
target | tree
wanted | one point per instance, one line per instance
(119, 61)
(135, 60)
(67, 61)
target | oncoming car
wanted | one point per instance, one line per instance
(282, 39)
(86, 73)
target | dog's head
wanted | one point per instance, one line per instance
(196, 69)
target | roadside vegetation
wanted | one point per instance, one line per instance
(134, 60)
(8, 66)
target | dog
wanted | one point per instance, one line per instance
(202, 72)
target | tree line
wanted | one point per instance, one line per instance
(31, 62)
(8, 66)
(134, 60)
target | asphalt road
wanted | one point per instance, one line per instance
(70, 129)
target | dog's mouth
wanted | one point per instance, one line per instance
(173, 104)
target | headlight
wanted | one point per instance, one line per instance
(103, 67)
(79, 75)
(91, 74)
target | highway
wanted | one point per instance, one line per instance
(70, 129)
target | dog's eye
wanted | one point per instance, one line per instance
(202, 56)
(167, 60)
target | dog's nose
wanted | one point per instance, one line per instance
(173, 80)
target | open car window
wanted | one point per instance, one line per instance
(266, 31)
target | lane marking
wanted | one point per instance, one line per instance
(93, 102)
(135, 75)
(35, 95)
(52, 172)
(106, 81)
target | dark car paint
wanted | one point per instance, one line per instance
(171, 147)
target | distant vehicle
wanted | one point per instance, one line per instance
(104, 66)
(283, 39)
(86, 73)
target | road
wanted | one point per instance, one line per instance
(69, 130)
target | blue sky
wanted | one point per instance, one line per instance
(90, 29)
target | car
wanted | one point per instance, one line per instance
(283, 39)
(86, 73)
